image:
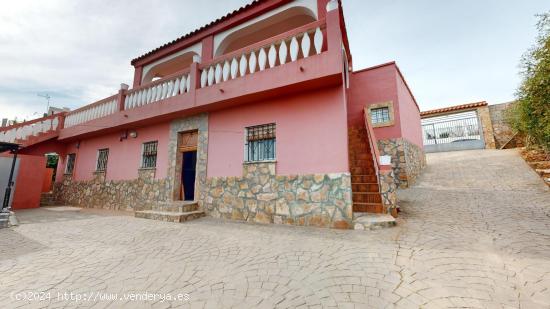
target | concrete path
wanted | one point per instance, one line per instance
(474, 232)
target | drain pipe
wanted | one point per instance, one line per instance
(5, 206)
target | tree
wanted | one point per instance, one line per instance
(531, 115)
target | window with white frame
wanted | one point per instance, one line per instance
(380, 115)
(149, 155)
(102, 157)
(260, 143)
(69, 167)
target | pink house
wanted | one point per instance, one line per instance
(257, 116)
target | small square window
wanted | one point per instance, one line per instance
(102, 157)
(380, 115)
(260, 143)
(149, 155)
(71, 158)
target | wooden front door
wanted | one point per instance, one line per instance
(186, 165)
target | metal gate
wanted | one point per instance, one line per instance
(459, 131)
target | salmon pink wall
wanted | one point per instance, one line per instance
(409, 114)
(124, 156)
(28, 185)
(311, 133)
(371, 86)
(380, 84)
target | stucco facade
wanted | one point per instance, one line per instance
(256, 128)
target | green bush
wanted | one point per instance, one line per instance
(531, 115)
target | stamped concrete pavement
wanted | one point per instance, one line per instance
(474, 233)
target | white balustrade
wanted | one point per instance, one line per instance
(24, 131)
(95, 111)
(159, 91)
(277, 53)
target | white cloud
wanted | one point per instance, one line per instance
(80, 51)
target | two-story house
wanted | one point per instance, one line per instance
(256, 116)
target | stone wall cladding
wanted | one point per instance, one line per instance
(487, 127)
(200, 123)
(407, 159)
(113, 194)
(140, 193)
(322, 200)
(388, 189)
(502, 130)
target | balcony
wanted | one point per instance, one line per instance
(309, 56)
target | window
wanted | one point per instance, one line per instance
(102, 157)
(380, 115)
(260, 143)
(149, 155)
(70, 163)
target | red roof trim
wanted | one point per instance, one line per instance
(194, 35)
(454, 108)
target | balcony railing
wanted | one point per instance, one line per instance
(170, 86)
(20, 132)
(287, 47)
(92, 111)
(302, 42)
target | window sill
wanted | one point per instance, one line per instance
(383, 124)
(99, 172)
(259, 162)
(147, 168)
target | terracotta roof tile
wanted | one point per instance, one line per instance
(215, 22)
(453, 108)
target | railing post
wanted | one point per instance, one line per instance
(61, 124)
(194, 74)
(122, 96)
(334, 33)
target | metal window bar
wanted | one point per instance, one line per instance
(102, 157)
(380, 115)
(149, 156)
(451, 131)
(260, 143)
(70, 163)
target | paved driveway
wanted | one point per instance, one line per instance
(475, 232)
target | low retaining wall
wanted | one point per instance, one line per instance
(260, 195)
(407, 159)
(113, 194)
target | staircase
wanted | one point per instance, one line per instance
(364, 181)
(368, 211)
(175, 211)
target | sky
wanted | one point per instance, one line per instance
(450, 52)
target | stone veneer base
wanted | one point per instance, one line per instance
(261, 196)
(407, 159)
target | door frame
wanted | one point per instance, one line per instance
(186, 141)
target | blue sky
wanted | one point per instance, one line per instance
(451, 52)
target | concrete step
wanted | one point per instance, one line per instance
(362, 170)
(364, 179)
(368, 207)
(176, 206)
(4, 219)
(366, 197)
(370, 221)
(169, 216)
(364, 187)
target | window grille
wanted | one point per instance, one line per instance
(70, 163)
(102, 157)
(149, 155)
(380, 115)
(260, 143)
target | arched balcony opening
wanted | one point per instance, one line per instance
(266, 28)
(160, 70)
